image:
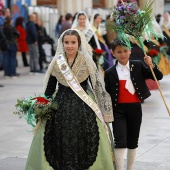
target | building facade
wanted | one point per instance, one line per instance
(50, 10)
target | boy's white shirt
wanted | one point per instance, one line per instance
(123, 72)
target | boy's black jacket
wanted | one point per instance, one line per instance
(138, 72)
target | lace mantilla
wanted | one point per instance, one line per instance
(87, 67)
(79, 69)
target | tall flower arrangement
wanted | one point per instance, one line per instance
(130, 20)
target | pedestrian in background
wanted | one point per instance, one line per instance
(21, 40)
(1, 34)
(42, 33)
(58, 26)
(66, 24)
(9, 59)
(32, 41)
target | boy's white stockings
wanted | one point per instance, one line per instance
(119, 158)
(131, 154)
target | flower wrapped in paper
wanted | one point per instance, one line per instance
(35, 108)
(98, 56)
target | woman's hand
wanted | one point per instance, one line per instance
(148, 61)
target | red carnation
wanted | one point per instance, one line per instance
(153, 53)
(41, 100)
(98, 51)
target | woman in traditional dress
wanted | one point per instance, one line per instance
(100, 31)
(81, 22)
(157, 49)
(165, 26)
(76, 136)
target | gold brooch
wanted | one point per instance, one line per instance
(63, 67)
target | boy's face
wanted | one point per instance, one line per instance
(122, 54)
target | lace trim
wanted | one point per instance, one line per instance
(81, 73)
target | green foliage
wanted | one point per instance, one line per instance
(35, 108)
(129, 20)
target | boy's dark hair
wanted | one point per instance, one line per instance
(116, 42)
(68, 16)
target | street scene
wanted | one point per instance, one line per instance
(16, 136)
(75, 84)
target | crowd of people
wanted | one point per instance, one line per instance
(27, 39)
(99, 36)
(32, 35)
(93, 89)
(76, 73)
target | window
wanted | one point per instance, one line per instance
(99, 4)
(46, 2)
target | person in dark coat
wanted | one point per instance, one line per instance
(32, 41)
(9, 59)
(66, 24)
(125, 82)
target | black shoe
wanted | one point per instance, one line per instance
(1, 85)
(15, 75)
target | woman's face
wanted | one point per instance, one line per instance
(98, 20)
(82, 20)
(70, 43)
(166, 16)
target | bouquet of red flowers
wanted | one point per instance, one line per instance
(153, 53)
(35, 108)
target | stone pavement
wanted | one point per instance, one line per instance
(15, 139)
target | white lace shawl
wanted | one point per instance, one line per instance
(101, 96)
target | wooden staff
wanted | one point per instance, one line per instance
(158, 86)
(154, 76)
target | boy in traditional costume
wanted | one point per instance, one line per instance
(125, 82)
